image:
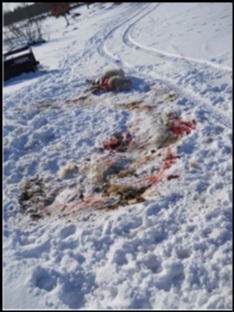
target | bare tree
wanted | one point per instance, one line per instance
(24, 32)
(61, 10)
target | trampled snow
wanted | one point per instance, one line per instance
(146, 224)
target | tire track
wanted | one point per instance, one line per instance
(104, 52)
(128, 40)
(186, 93)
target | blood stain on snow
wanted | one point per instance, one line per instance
(180, 127)
(168, 161)
(172, 176)
(118, 142)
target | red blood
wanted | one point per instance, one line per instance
(171, 176)
(168, 161)
(106, 86)
(118, 142)
(180, 127)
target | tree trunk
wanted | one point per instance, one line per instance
(65, 16)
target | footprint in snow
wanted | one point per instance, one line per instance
(68, 231)
(43, 279)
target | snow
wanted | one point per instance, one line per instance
(64, 244)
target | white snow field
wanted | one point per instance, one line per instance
(122, 200)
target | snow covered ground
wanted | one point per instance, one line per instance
(147, 226)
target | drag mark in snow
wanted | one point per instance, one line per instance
(117, 179)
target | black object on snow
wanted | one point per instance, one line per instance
(19, 61)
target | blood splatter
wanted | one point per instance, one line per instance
(180, 127)
(171, 176)
(168, 161)
(118, 142)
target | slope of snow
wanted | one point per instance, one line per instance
(169, 247)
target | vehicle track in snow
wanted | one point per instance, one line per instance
(103, 50)
(180, 84)
(128, 40)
